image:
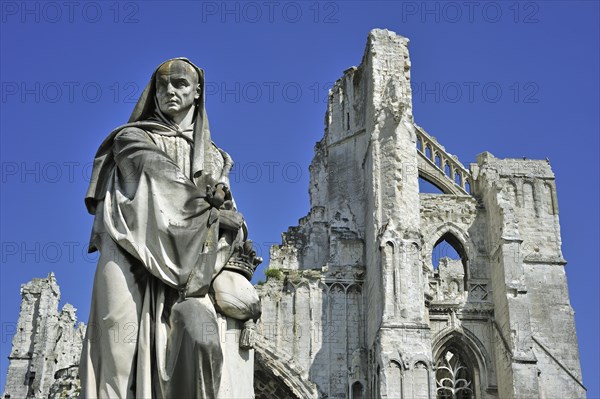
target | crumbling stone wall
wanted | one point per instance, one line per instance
(315, 316)
(47, 342)
(356, 308)
(501, 310)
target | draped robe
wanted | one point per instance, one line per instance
(159, 241)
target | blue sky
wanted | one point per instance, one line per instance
(513, 78)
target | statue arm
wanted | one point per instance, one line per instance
(227, 165)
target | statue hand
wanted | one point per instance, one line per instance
(221, 185)
(216, 195)
(230, 219)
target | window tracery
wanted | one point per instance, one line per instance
(453, 377)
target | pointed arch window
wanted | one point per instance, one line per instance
(357, 391)
(448, 246)
(428, 151)
(449, 261)
(427, 187)
(454, 376)
(438, 161)
(447, 170)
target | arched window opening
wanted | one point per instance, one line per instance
(457, 178)
(419, 144)
(448, 246)
(454, 376)
(438, 161)
(428, 151)
(357, 391)
(449, 261)
(467, 186)
(428, 187)
(447, 170)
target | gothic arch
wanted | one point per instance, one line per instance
(455, 236)
(395, 377)
(442, 173)
(512, 192)
(357, 389)
(336, 285)
(300, 284)
(438, 178)
(386, 240)
(398, 359)
(530, 197)
(421, 361)
(550, 198)
(277, 376)
(471, 350)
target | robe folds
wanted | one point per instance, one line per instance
(159, 243)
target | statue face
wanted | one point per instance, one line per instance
(176, 88)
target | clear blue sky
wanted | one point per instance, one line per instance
(70, 73)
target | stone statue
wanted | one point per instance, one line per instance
(175, 262)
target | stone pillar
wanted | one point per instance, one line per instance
(397, 328)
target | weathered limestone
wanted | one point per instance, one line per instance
(533, 316)
(360, 304)
(66, 383)
(356, 306)
(47, 342)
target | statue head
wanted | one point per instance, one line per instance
(177, 89)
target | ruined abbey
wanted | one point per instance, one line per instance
(382, 290)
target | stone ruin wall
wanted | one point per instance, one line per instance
(362, 257)
(46, 346)
(354, 306)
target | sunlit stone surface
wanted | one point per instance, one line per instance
(356, 306)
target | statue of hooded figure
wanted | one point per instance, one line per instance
(166, 227)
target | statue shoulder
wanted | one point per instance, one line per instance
(226, 157)
(130, 130)
(137, 131)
